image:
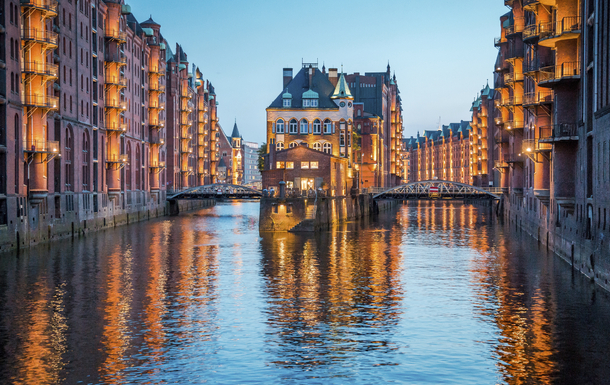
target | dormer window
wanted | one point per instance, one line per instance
(310, 99)
(287, 102)
(287, 99)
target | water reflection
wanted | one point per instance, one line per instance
(428, 293)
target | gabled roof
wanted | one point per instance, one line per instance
(342, 90)
(487, 91)
(300, 84)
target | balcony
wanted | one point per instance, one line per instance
(517, 190)
(156, 124)
(48, 38)
(157, 140)
(41, 101)
(530, 33)
(115, 104)
(40, 68)
(500, 164)
(49, 7)
(117, 160)
(156, 105)
(512, 77)
(531, 146)
(157, 165)
(186, 136)
(119, 36)
(512, 101)
(530, 5)
(116, 127)
(568, 28)
(500, 137)
(156, 71)
(537, 98)
(543, 195)
(186, 150)
(156, 88)
(515, 28)
(41, 146)
(186, 95)
(498, 121)
(552, 75)
(513, 158)
(499, 41)
(186, 122)
(561, 132)
(117, 57)
(513, 53)
(113, 80)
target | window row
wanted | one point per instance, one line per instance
(303, 127)
(318, 146)
(304, 165)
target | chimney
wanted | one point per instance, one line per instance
(287, 76)
(311, 71)
(332, 76)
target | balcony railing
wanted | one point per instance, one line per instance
(569, 24)
(49, 6)
(116, 127)
(40, 101)
(530, 146)
(157, 105)
(40, 68)
(540, 97)
(157, 165)
(116, 57)
(565, 130)
(115, 80)
(513, 158)
(41, 146)
(500, 164)
(499, 40)
(156, 87)
(156, 139)
(39, 35)
(156, 71)
(117, 158)
(114, 103)
(529, 4)
(512, 125)
(567, 70)
(512, 77)
(530, 31)
(116, 35)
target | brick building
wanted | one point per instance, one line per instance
(315, 110)
(92, 112)
(440, 154)
(483, 140)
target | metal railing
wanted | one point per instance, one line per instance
(41, 146)
(48, 5)
(116, 127)
(568, 24)
(39, 35)
(530, 31)
(41, 101)
(539, 97)
(513, 158)
(500, 163)
(157, 165)
(115, 80)
(511, 77)
(40, 68)
(534, 145)
(560, 71)
(116, 35)
(117, 158)
(565, 129)
(157, 105)
(114, 103)
(116, 57)
(156, 87)
(499, 40)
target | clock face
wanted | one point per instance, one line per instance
(349, 104)
(342, 104)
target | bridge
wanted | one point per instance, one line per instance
(217, 190)
(436, 189)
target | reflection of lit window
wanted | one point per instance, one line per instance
(279, 164)
(304, 164)
(289, 164)
(313, 165)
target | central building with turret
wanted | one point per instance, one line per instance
(309, 132)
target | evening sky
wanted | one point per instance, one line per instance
(441, 51)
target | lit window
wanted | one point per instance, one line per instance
(317, 126)
(289, 164)
(279, 164)
(317, 146)
(279, 127)
(304, 165)
(293, 126)
(328, 126)
(313, 165)
(304, 126)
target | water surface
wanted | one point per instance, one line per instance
(423, 294)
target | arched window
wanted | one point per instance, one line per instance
(279, 126)
(69, 159)
(279, 146)
(328, 148)
(293, 144)
(293, 126)
(317, 126)
(85, 176)
(328, 126)
(304, 126)
(317, 146)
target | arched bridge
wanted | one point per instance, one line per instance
(217, 190)
(436, 189)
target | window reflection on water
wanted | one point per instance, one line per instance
(424, 293)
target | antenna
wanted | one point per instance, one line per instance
(439, 122)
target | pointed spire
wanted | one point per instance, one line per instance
(235, 133)
(342, 90)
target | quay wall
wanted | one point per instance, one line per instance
(586, 250)
(291, 214)
(40, 225)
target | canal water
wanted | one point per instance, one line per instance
(424, 294)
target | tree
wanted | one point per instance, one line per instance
(262, 151)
